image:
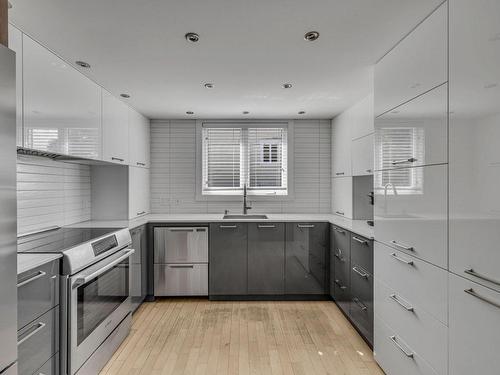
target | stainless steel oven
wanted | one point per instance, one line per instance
(98, 301)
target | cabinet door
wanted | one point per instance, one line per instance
(363, 118)
(61, 105)
(415, 65)
(306, 257)
(342, 265)
(266, 258)
(16, 44)
(475, 140)
(138, 192)
(362, 156)
(332, 262)
(115, 132)
(342, 196)
(228, 259)
(474, 330)
(341, 145)
(138, 139)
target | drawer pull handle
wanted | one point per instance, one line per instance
(398, 345)
(266, 226)
(117, 159)
(405, 261)
(473, 293)
(360, 272)
(305, 225)
(403, 161)
(470, 271)
(360, 240)
(141, 213)
(181, 230)
(182, 266)
(339, 173)
(339, 213)
(228, 226)
(32, 278)
(338, 255)
(339, 284)
(39, 326)
(340, 231)
(360, 304)
(401, 246)
(401, 302)
(141, 164)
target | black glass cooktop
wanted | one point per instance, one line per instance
(58, 240)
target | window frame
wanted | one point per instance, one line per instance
(249, 124)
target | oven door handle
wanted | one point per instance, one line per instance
(85, 279)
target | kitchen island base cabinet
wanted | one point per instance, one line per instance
(228, 259)
(266, 258)
(306, 258)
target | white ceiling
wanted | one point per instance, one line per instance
(247, 48)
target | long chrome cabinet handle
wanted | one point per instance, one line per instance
(360, 304)
(470, 271)
(339, 284)
(181, 266)
(305, 225)
(340, 213)
(473, 293)
(141, 164)
(117, 159)
(266, 226)
(31, 279)
(141, 213)
(360, 272)
(403, 161)
(401, 302)
(405, 261)
(360, 240)
(39, 326)
(228, 226)
(398, 345)
(181, 230)
(339, 173)
(401, 246)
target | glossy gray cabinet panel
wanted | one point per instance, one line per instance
(266, 258)
(38, 342)
(228, 259)
(342, 263)
(361, 307)
(37, 292)
(332, 262)
(306, 256)
(362, 252)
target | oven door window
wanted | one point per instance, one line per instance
(98, 298)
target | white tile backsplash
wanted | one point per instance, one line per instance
(173, 171)
(51, 193)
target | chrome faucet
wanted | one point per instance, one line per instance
(245, 204)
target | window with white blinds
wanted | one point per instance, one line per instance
(396, 144)
(255, 156)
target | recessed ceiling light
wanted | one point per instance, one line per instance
(192, 37)
(287, 85)
(189, 113)
(83, 64)
(302, 112)
(246, 112)
(209, 85)
(126, 96)
(311, 36)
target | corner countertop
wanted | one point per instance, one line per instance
(27, 262)
(356, 226)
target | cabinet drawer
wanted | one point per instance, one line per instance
(394, 355)
(181, 279)
(37, 292)
(413, 218)
(413, 280)
(361, 314)
(362, 252)
(51, 367)
(474, 328)
(180, 245)
(418, 328)
(417, 64)
(361, 283)
(38, 342)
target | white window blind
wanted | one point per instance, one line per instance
(244, 155)
(396, 144)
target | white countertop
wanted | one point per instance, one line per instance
(356, 226)
(27, 261)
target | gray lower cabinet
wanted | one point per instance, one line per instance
(306, 255)
(138, 267)
(342, 267)
(228, 259)
(266, 258)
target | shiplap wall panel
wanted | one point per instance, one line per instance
(51, 193)
(173, 171)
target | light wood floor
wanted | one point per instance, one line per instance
(198, 337)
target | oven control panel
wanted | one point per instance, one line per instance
(104, 245)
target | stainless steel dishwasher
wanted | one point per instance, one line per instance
(181, 261)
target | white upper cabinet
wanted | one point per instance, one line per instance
(342, 197)
(61, 106)
(138, 198)
(115, 129)
(341, 145)
(475, 143)
(138, 139)
(417, 64)
(415, 133)
(362, 156)
(16, 44)
(362, 118)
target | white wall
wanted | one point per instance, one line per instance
(173, 171)
(51, 193)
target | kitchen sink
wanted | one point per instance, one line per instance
(245, 217)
